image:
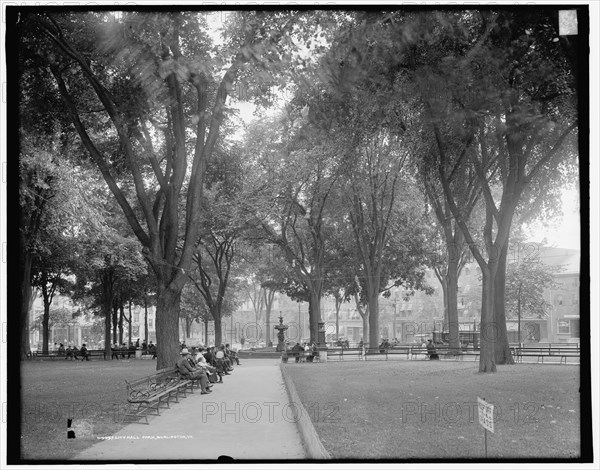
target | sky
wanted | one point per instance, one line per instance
(564, 232)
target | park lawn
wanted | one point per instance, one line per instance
(426, 409)
(93, 392)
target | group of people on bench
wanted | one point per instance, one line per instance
(72, 352)
(124, 349)
(207, 365)
(304, 352)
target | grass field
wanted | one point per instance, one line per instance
(427, 409)
(361, 410)
(93, 393)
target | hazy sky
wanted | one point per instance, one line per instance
(565, 232)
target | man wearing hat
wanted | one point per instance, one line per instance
(188, 371)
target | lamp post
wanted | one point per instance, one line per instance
(299, 323)
(394, 320)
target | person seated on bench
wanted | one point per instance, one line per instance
(296, 351)
(228, 356)
(130, 350)
(85, 355)
(152, 349)
(209, 356)
(61, 350)
(69, 353)
(185, 368)
(314, 352)
(306, 353)
(221, 361)
(115, 350)
(197, 366)
(211, 372)
(231, 355)
(431, 351)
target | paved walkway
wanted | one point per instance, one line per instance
(247, 417)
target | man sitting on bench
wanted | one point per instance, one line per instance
(85, 355)
(431, 351)
(188, 371)
(115, 350)
(72, 353)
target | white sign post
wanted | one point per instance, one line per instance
(486, 418)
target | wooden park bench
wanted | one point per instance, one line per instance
(342, 354)
(398, 351)
(444, 353)
(55, 355)
(562, 352)
(47, 355)
(148, 394)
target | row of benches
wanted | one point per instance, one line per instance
(563, 353)
(56, 355)
(408, 351)
(149, 394)
(91, 353)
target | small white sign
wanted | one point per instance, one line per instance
(567, 22)
(486, 414)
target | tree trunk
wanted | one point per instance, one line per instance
(188, 327)
(107, 307)
(452, 304)
(269, 296)
(121, 316)
(519, 314)
(129, 322)
(444, 284)
(365, 319)
(218, 330)
(374, 334)
(268, 326)
(206, 332)
(115, 322)
(167, 326)
(107, 343)
(46, 325)
(502, 349)
(337, 318)
(314, 315)
(487, 358)
(145, 319)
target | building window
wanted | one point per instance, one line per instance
(150, 323)
(559, 300)
(564, 327)
(136, 317)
